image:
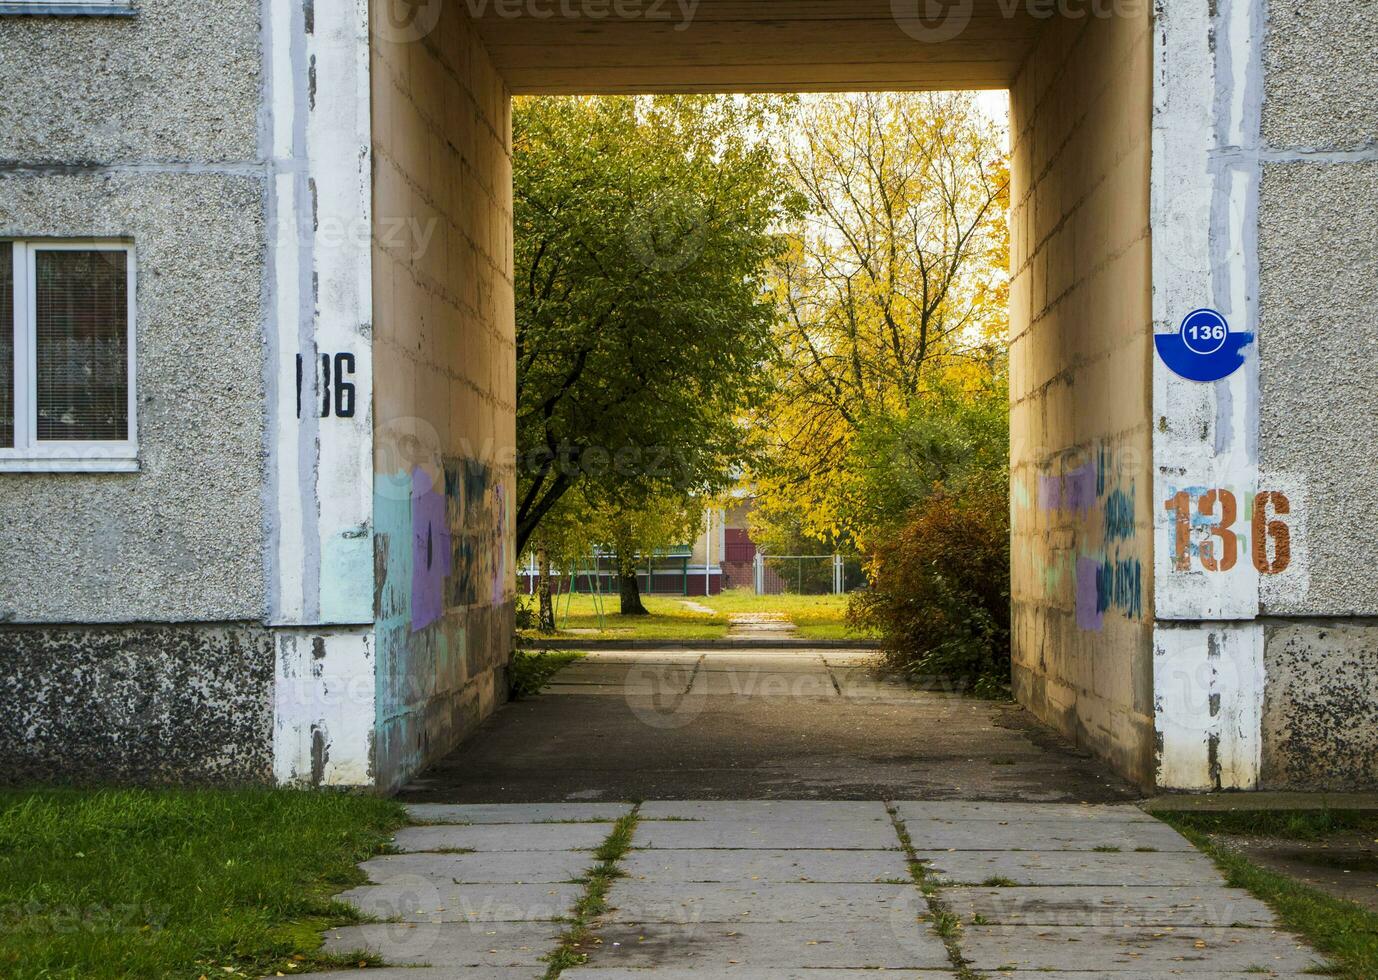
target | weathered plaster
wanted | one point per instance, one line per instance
(1205, 177)
(1081, 507)
(444, 359)
(182, 539)
(177, 82)
(323, 707)
(136, 704)
(1320, 709)
(1207, 695)
(319, 327)
(1319, 348)
(1322, 75)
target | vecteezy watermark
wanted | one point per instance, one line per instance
(680, 12)
(403, 21)
(934, 21)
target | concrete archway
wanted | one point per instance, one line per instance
(1086, 295)
(1136, 175)
(1194, 578)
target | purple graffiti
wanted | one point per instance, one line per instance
(1074, 491)
(1090, 616)
(431, 551)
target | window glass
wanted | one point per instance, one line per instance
(81, 345)
(6, 345)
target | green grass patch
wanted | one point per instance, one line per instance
(1305, 825)
(820, 617)
(801, 610)
(945, 922)
(178, 883)
(573, 949)
(1344, 932)
(532, 670)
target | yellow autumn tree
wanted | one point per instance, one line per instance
(893, 290)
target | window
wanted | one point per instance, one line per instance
(67, 356)
(70, 8)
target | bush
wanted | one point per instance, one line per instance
(940, 591)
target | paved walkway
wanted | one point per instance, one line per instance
(760, 626)
(806, 820)
(813, 889)
(781, 724)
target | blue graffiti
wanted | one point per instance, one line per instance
(1119, 515)
(1119, 585)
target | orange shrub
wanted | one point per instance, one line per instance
(940, 592)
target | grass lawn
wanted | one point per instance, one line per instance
(533, 669)
(676, 618)
(1346, 933)
(178, 883)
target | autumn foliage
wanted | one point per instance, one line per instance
(940, 593)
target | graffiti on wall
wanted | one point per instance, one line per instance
(459, 541)
(1095, 500)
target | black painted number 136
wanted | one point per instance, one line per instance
(337, 394)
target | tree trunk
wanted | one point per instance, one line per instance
(630, 597)
(545, 622)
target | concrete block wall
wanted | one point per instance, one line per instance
(1318, 371)
(112, 144)
(1080, 356)
(147, 129)
(444, 388)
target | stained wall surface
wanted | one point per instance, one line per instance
(445, 389)
(1318, 341)
(144, 657)
(101, 137)
(1080, 348)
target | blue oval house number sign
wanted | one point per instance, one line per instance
(1204, 349)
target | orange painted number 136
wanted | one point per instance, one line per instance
(1264, 530)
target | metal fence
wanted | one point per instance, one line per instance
(672, 573)
(806, 574)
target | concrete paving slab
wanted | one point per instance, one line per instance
(739, 973)
(1046, 835)
(766, 866)
(466, 813)
(412, 898)
(859, 684)
(850, 658)
(503, 837)
(788, 662)
(958, 811)
(765, 810)
(1108, 905)
(451, 945)
(675, 746)
(864, 835)
(493, 867)
(637, 901)
(1133, 950)
(758, 683)
(1071, 868)
(637, 686)
(1177, 974)
(439, 973)
(643, 656)
(583, 672)
(727, 946)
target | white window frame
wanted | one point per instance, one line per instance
(29, 454)
(68, 8)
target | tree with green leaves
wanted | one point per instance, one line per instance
(635, 532)
(644, 228)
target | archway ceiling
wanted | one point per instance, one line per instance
(749, 45)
